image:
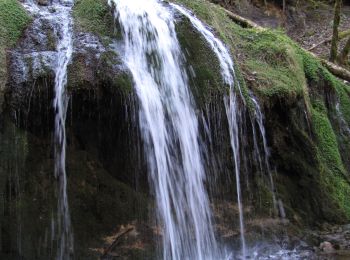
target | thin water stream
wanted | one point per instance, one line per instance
(58, 14)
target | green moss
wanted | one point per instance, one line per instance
(121, 80)
(13, 20)
(326, 138)
(207, 83)
(332, 168)
(107, 70)
(94, 16)
(312, 66)
(276, 67)
(124, 82)
(268, 58)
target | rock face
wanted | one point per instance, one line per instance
(107, 174)
(326, 247)
(102, 155)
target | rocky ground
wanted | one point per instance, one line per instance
(307, 22)
(331, 243)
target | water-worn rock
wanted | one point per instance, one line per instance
(326, 247)
(346, 227)
(43, 2)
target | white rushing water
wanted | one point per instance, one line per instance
(232, 110)
(58, 14)
(65, 50)
(169, 128)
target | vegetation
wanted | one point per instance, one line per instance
(94, 16)
(267, 58)
(13, 20)
(278, 70)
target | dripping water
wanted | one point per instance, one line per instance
(259, 118)
(63, 27)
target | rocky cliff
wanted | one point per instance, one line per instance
(307, 120)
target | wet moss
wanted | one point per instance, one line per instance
(13, 20)
(276, 69)
(326, 138)
(332, 168)
(215, 17)
(89, 72)
(111, 69)
(94, 16)
(267, 59)
(203, 66)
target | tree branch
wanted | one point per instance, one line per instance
(116, 240)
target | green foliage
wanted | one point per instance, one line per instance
(277, 67)
(94, 16)
(312, 66)
(315, 72)
(332, 169)
(13, 20)
(326, 138)
(269, 55)
(208, 83)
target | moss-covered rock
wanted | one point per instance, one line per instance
(202, 63)
(299, 97)
(13, 20)
(96, 17)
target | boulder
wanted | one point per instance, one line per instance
(43, 2)
(326, 247)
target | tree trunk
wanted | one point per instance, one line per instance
(336, 21)
(344, 53)
(341, 36)
(333, 68)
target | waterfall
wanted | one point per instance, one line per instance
(65, 50)
(232, 110)
(62, 22)
(169, 128)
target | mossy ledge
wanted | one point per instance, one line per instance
(279, 72)
(94, 16)
(13, 21)
(101, 66)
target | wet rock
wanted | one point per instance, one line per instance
(346, 227)
(94, 64)
(326, 247)
(43, 2)
(40, 36)
(26, 67)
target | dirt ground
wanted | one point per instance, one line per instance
(307, 22)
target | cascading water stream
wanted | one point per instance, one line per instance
(169, 128)
(62, 23)
(232, 110)
(260, 121)
(65, 50)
